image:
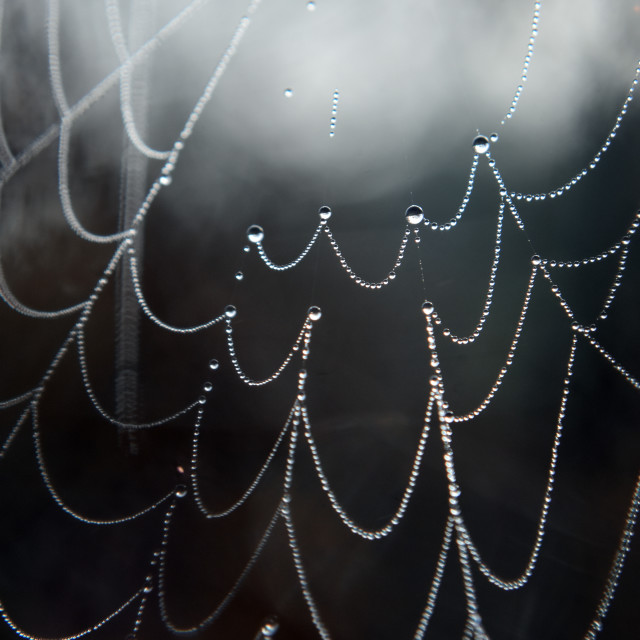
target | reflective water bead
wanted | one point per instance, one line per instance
(536, 260)
(181, 491)
(494, 137)
(311, 6)
(288, 93)
(213, 365)
(480, 144)
(324, 212)
(315, 313)
(207, 387)
(414, 214)
(202, 400)
(230, 311)
(246, 248)
(255, 233)
(165, 181)
(239, 275)
(427, 308)
(270, 626)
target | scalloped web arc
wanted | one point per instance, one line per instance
(415, 414)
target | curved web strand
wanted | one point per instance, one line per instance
(14, 432)
(295, 261)
(230, 594)
(521, 580)
(117, 38)
(82, 358)
(509, 360)
(303, 338)
(195, 485)
(23, 634)
(137, 287)
(371, 534)
(354, 276)
(55, 73)
(489, 296)
(558, 191)
(56, 496)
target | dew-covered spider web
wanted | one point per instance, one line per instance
(320, 319)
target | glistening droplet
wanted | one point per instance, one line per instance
(288, 93)
(255, 233)
(239, 275)
(481, 144)
(230, 311)
(324, 212)
(213, 365)
(315, 313)
(181, 491)
(270, 627)
(414, 214)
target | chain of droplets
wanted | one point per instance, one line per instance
(616, 568)
(14, 431)
(489, 296)
(554, 193)
(292, 418)
(527, 61)
(87, 631)
(303, 340)
(137, 287)
(520, 581)
(447, 226)
(334, 113)
(368, 534)
(114, 22)
(282, 267)
(46, 478)
(509, 360)
(162, 597)
(616, 365)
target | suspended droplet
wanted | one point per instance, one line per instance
(255, 233)
(270, 627)
(230, 311)
(315, 313)
(180, 469)
(288, 93)
(427, 308)
(165, 181)
(434, 381)
(239, 275)
(311, 6)
(213, 364)
(207, 387)
(481, 144)
(536, 260)
(494, 137)
(246, 248)
(414, 214)
(202, 400)
(181, 491)
(324, 212)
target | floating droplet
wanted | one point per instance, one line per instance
(165, 181)
(427, 308)
(315, 313)
(414, 214)
(494, 137)
(255, 233)
(246, 248)
(311, 6)
(239, 275)
(181, 491)
(536, 260)
(213, 364)
(481, 144)
(270, 627)
(230, 311)
(202, 400)
(207, 387)
(434, 381)
(288, 93)
(324, 212)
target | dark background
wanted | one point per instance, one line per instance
(416, 80)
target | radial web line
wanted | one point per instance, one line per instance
(56, 496)
(614, 363)
(137, 286)
(95, 627)
(14, 432)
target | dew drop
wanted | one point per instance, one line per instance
(270, 627)
(239, 275)
(230, 311)
(202, 400)
(427, 308)
(255, 233)
(207, 387)
(246, 248)
(181, 491)
(315, 313)
(311, 6)
(288, 93)
(536, 260)
(414, 214)
(213, 365)
(165, 181)
(494, 137)
(324, 212)
(480, 144)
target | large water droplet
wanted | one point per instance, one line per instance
(315, 313)
(481, 144)
(255, 233)
(230, 311)
(213, 364)
(270, 627)
(239, 275)
(288, 93)
(414, 214)
(427, 308)
(494, 137)
(324, 212)
(181, 491)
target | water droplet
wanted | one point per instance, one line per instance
(481, 144)
(230, 311)
(536, 260)
(180, 469)
(165, 181)
(315, 313)
(288, 93)
(213, 365)
(239, 275)
(255, 233)
(311, 6)
(181, 491)
(324, 212)
(494, 137)
(246, 248)
(434, 381)
(427, 308)
(207, 387)
(202, 400)
(270, 627)
(414, 214)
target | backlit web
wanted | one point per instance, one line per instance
(320, 320)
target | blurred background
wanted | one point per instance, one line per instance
(417, 81)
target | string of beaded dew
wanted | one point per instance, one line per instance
(536, 457)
